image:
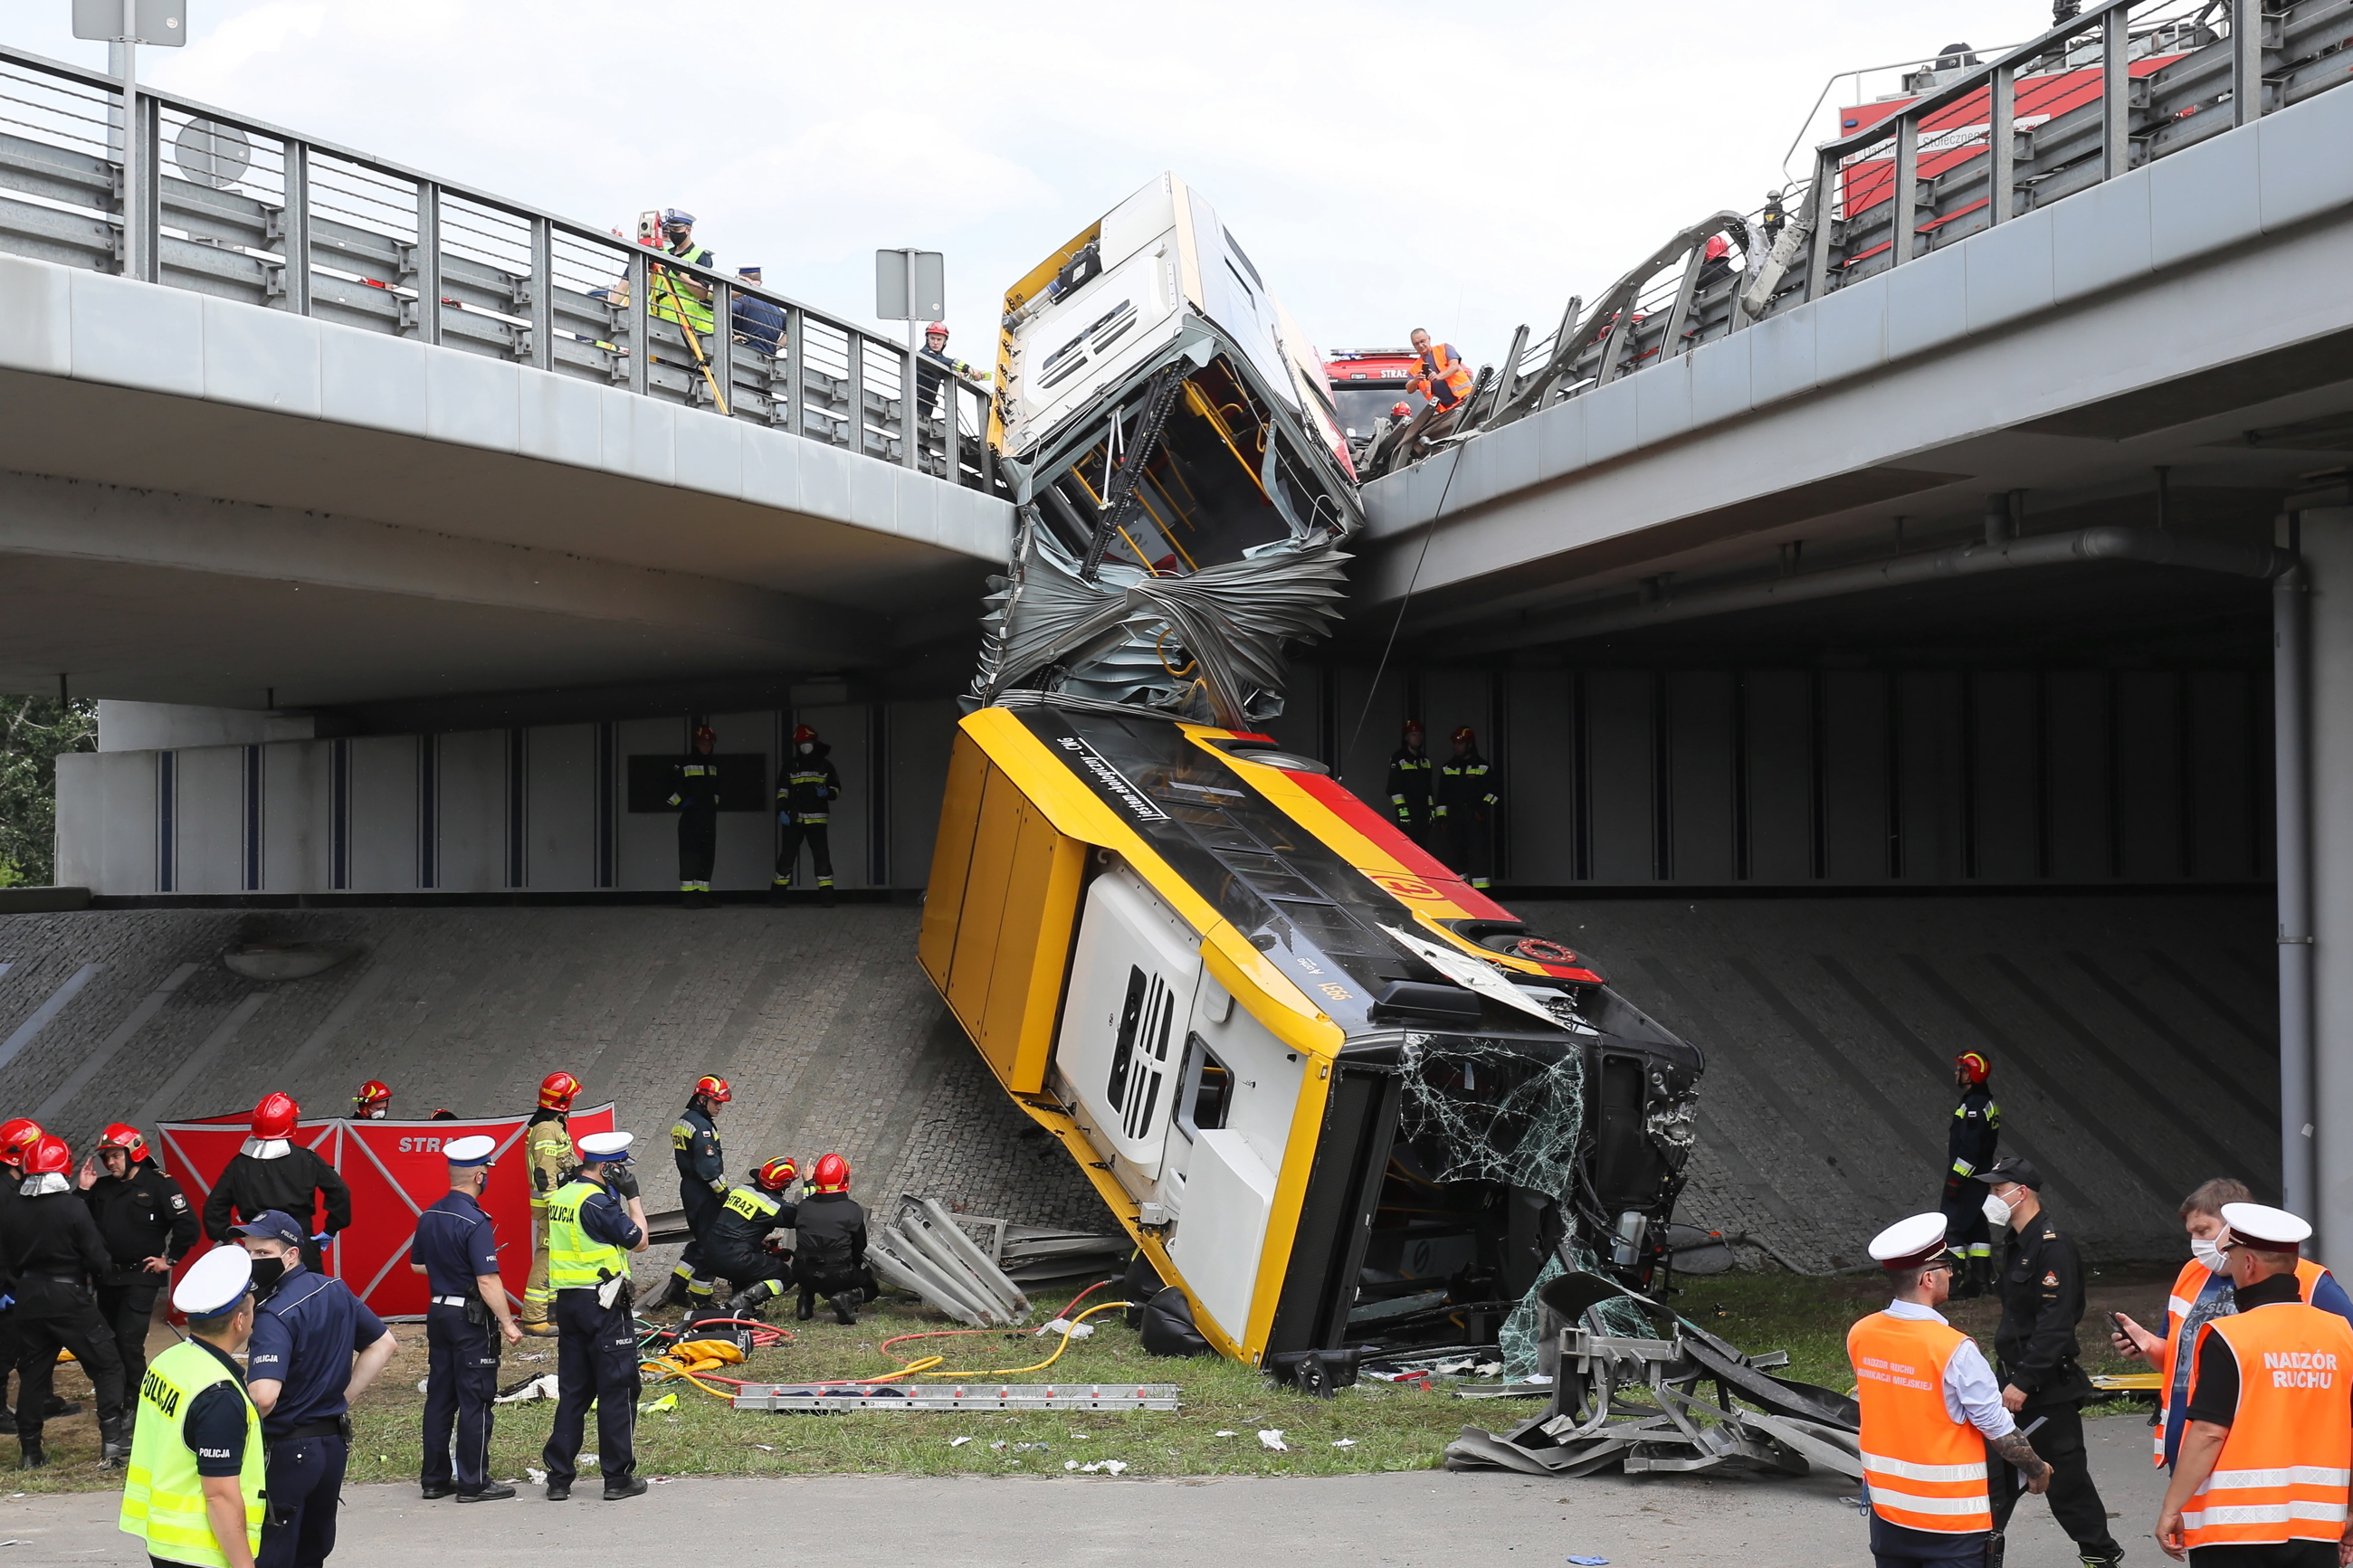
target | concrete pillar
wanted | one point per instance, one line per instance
(2327, 548)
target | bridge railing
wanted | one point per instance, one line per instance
(237, 207)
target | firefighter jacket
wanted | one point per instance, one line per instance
(140, 1216)
(1411, 795)
(747, 1219)
(293, 1184)
(547, 1145)
(1466, 788)
(808, 785)
(697, 793)
(1974, 1136)
(694, 1143)
(51, 1237)
(830, 1230)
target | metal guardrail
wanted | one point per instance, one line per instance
(1978, 144)
(249, 212)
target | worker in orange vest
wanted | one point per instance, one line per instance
(2263, 1473)
(1932, 1413)
(1442, 376)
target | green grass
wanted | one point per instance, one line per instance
(1393, 1428)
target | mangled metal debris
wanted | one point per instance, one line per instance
(889, 1397)
(927, 1253)
(1756, 1421)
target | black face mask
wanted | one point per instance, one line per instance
(267, 1273)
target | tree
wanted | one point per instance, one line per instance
(33, 731)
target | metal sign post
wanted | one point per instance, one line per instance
(129, 23)
(911, 286)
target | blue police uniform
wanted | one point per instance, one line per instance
(597, 1359)
(305, 1336)
(455, 1244)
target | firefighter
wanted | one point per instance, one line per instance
(1926, 1443)
(743, 1250)
(807, 786)
(272, 1172)
(590, 1235)
(829, 1237)
(2262, 1476)
(547, 1145)
(933, 367)
(1410, 768)
(697, 799)
(145, 1222)
(372, 1101)
(54, 1257)
(1969, 1145)
(701, 1189)
(1443, 379)
(680, 297)
(1467, 808)
(2043, 1383)
(18, 1136)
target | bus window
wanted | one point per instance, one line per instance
(1209, 1090)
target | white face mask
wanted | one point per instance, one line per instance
(2209, 1253)
(806, 747)
(1996, 1211)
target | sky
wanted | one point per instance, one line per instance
(1388, 166)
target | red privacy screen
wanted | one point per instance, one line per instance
(395, 1172)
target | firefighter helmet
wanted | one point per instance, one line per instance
(1972, 1065)
(1400, 410)
(275, 1116)
(1718, 247)
(49, 1156)
(705, 732)
(803, 734)
(776, 1174)
(712, 1086)
(937, 329)
(123, 1136)
(1464, 736)
(558, 1090)
(831, 1175)
(373, 1093)
(1413, 727)
(17, 1134)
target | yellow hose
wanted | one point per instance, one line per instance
(1009, 1371)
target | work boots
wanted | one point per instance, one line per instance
(747, 1304)
(114, 1441)
(809, 1305)
(29, 1455)
(845, 1306)
(672, 1293)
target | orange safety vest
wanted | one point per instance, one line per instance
(2177, 1302)
(2284, 1468)
(1447, 387)
(1924, 1469)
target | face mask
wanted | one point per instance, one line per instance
(1996, 1211)
(2209, 1253)
(267, 1272)
(806, 747)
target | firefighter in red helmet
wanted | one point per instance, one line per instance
(372, 1101)
(701, 1189)
(807, 786)
(1411, 771)
(1970, 1147)
(18, 1134)
(273, 1172)
(743, 1245)
(56, 1256)
(147, 1224)
(547, 1147)
(1469, 806)
(830, 1243)
(696, 800)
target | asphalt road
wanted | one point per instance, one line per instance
(1427, 1519)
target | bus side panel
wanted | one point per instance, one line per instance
(968, 769)
(1033, 946)
(1344, 1188)
(980, 926)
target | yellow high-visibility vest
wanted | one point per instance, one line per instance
(574, 1259)
(162, 1495)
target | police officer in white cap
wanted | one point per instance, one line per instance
(466, 1316)
(1932, 1415)
(192, 1492)
(589, 1238)
(2262, 1478)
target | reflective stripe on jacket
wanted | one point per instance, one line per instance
(2286, 1463)
(2170, 1362)
(574, 1259)
(1447, 387)
(162, 1495)
(1925, 1470)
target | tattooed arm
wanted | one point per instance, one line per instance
(2013, 1449)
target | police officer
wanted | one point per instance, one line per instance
(1410, 768)
(590, 1235)
(697, 799)
(741, 1252)
(274, 1172)
(702, 1188)
(53, 1254)
(315, 1348)
(144, 1220)
(548, 1144)
(829, 1234)
(2261, 1480)
(680, 297)
(1467, 809)
(194, 1490)
(372, 1101)
(466, 1317)
(2042, 1286)
(1932, 1419)
(1969, 1145)
(807, 786)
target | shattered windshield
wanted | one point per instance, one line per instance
(1479, 1110)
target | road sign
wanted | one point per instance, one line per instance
(163, 22)
(911, 285)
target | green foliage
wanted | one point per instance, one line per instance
(33, 731)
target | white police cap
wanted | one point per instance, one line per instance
(605, 1146)
(214, 1282)
(474, 1150)
(2263, 1227)
(1910, 1243)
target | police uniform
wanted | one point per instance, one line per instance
(305, 1332)
(195, 1420)
(2275, 1493)
(807, 786)
(2042, 1286)
(53, 1254)
(739, 1251)
(1467, 808)
(589, 1238)
(456, 1246)
(140, 1215)
(702, 1188)
(1411, 773)
(697, 799)
(1969, 1145)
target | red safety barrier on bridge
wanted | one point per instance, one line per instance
(395, 1172)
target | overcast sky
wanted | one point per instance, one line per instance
(1386, 164)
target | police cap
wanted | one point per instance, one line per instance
(2263, 1227)
(1912, 1243)
(214, 1283)
(2016, 1168)
(469, 1152)
(599, 1146)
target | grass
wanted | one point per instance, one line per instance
(1392, 1428)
